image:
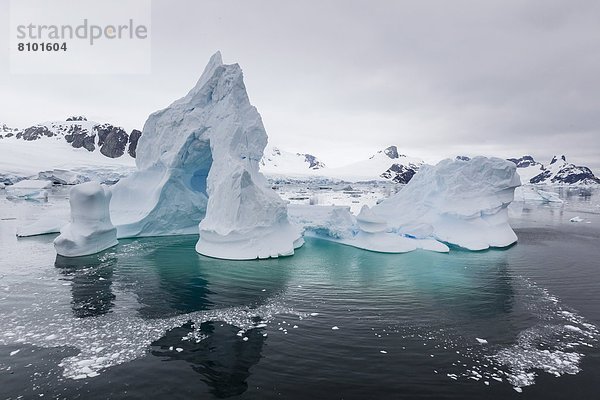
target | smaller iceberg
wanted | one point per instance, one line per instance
(29, 189)
(458, 202)
(90, 230)
(533, 194)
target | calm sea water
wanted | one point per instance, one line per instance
(150, 318)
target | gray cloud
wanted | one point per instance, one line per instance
(342, 79)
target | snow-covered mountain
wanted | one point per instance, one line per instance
(111, 141)
(527, 168)
(387, 164)
(5, 130)
(562, 172)
(558, 172)
(68, 151)
(277, 161)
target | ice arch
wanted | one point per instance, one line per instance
(198, 160)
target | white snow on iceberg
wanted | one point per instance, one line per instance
(90, 230)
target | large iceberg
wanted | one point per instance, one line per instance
(198, 160)
(90, 230)
(457, 202)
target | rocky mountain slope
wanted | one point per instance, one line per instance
(70, 151)
(112, 141)
(386, 164)
(558, 172)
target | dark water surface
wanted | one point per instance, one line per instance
(150, 318)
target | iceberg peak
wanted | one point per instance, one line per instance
(198, 172)
(391, 152)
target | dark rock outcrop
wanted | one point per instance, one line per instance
(79, 137)
(112, 140)
(400, 173)
(35, 132)
(541, 178)
(134, 136)
(77, 118)
(524, 162)
(574, 174)
(391, 152)
(313, 162)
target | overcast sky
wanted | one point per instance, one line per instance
(342, 79)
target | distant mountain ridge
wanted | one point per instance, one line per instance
(108, 141)
(386, 164)
(558, 172)
(276, 160)
(111, 141)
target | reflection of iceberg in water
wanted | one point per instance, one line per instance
(172, 283)
(216, 351)
(176, 280)
(91, 281)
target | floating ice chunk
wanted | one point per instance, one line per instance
(481, 341)
(62, 176)
(90, 230)
(29, 189)
(43, 226)
(31, 184)
(334, 328)
(573, 328)
(12, 353)
(533, 194)
(337, 224)
(464, 202)
(576, 219)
